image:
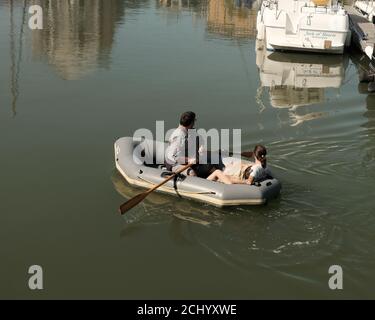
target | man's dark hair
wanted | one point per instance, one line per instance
(187, 118)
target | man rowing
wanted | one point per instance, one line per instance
(187, 146)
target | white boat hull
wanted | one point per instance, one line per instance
(303, 28)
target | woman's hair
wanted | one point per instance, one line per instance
(260, 153)
(246, 174)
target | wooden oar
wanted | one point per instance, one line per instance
(140, 197)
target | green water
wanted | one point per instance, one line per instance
(101, 70)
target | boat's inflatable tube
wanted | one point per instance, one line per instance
(132, 161)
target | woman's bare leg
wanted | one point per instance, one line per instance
(213, 176)
(218, 175)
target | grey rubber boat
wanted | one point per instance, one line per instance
(137, 163)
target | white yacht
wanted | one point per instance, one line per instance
(303, 25)
(367, 8)
(294, 80)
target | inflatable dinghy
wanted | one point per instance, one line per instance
(136, 162)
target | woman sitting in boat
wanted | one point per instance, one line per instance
(237, 172)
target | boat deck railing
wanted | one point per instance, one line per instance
(307, 8)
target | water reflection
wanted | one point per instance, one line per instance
(171, 9)
(159, 208)
(366, 76)
(16, 37)
(179, 5)
(294, 80)
(164, 206)
(232, 18)
(369, 145)
(366, 86)
(78, 35)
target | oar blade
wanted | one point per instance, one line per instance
(132, 202)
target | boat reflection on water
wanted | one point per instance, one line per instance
(295, 80)
(160, 208)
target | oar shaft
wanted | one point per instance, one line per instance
(171, 177)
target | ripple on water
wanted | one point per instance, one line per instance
(244, 241)
(322, 157)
